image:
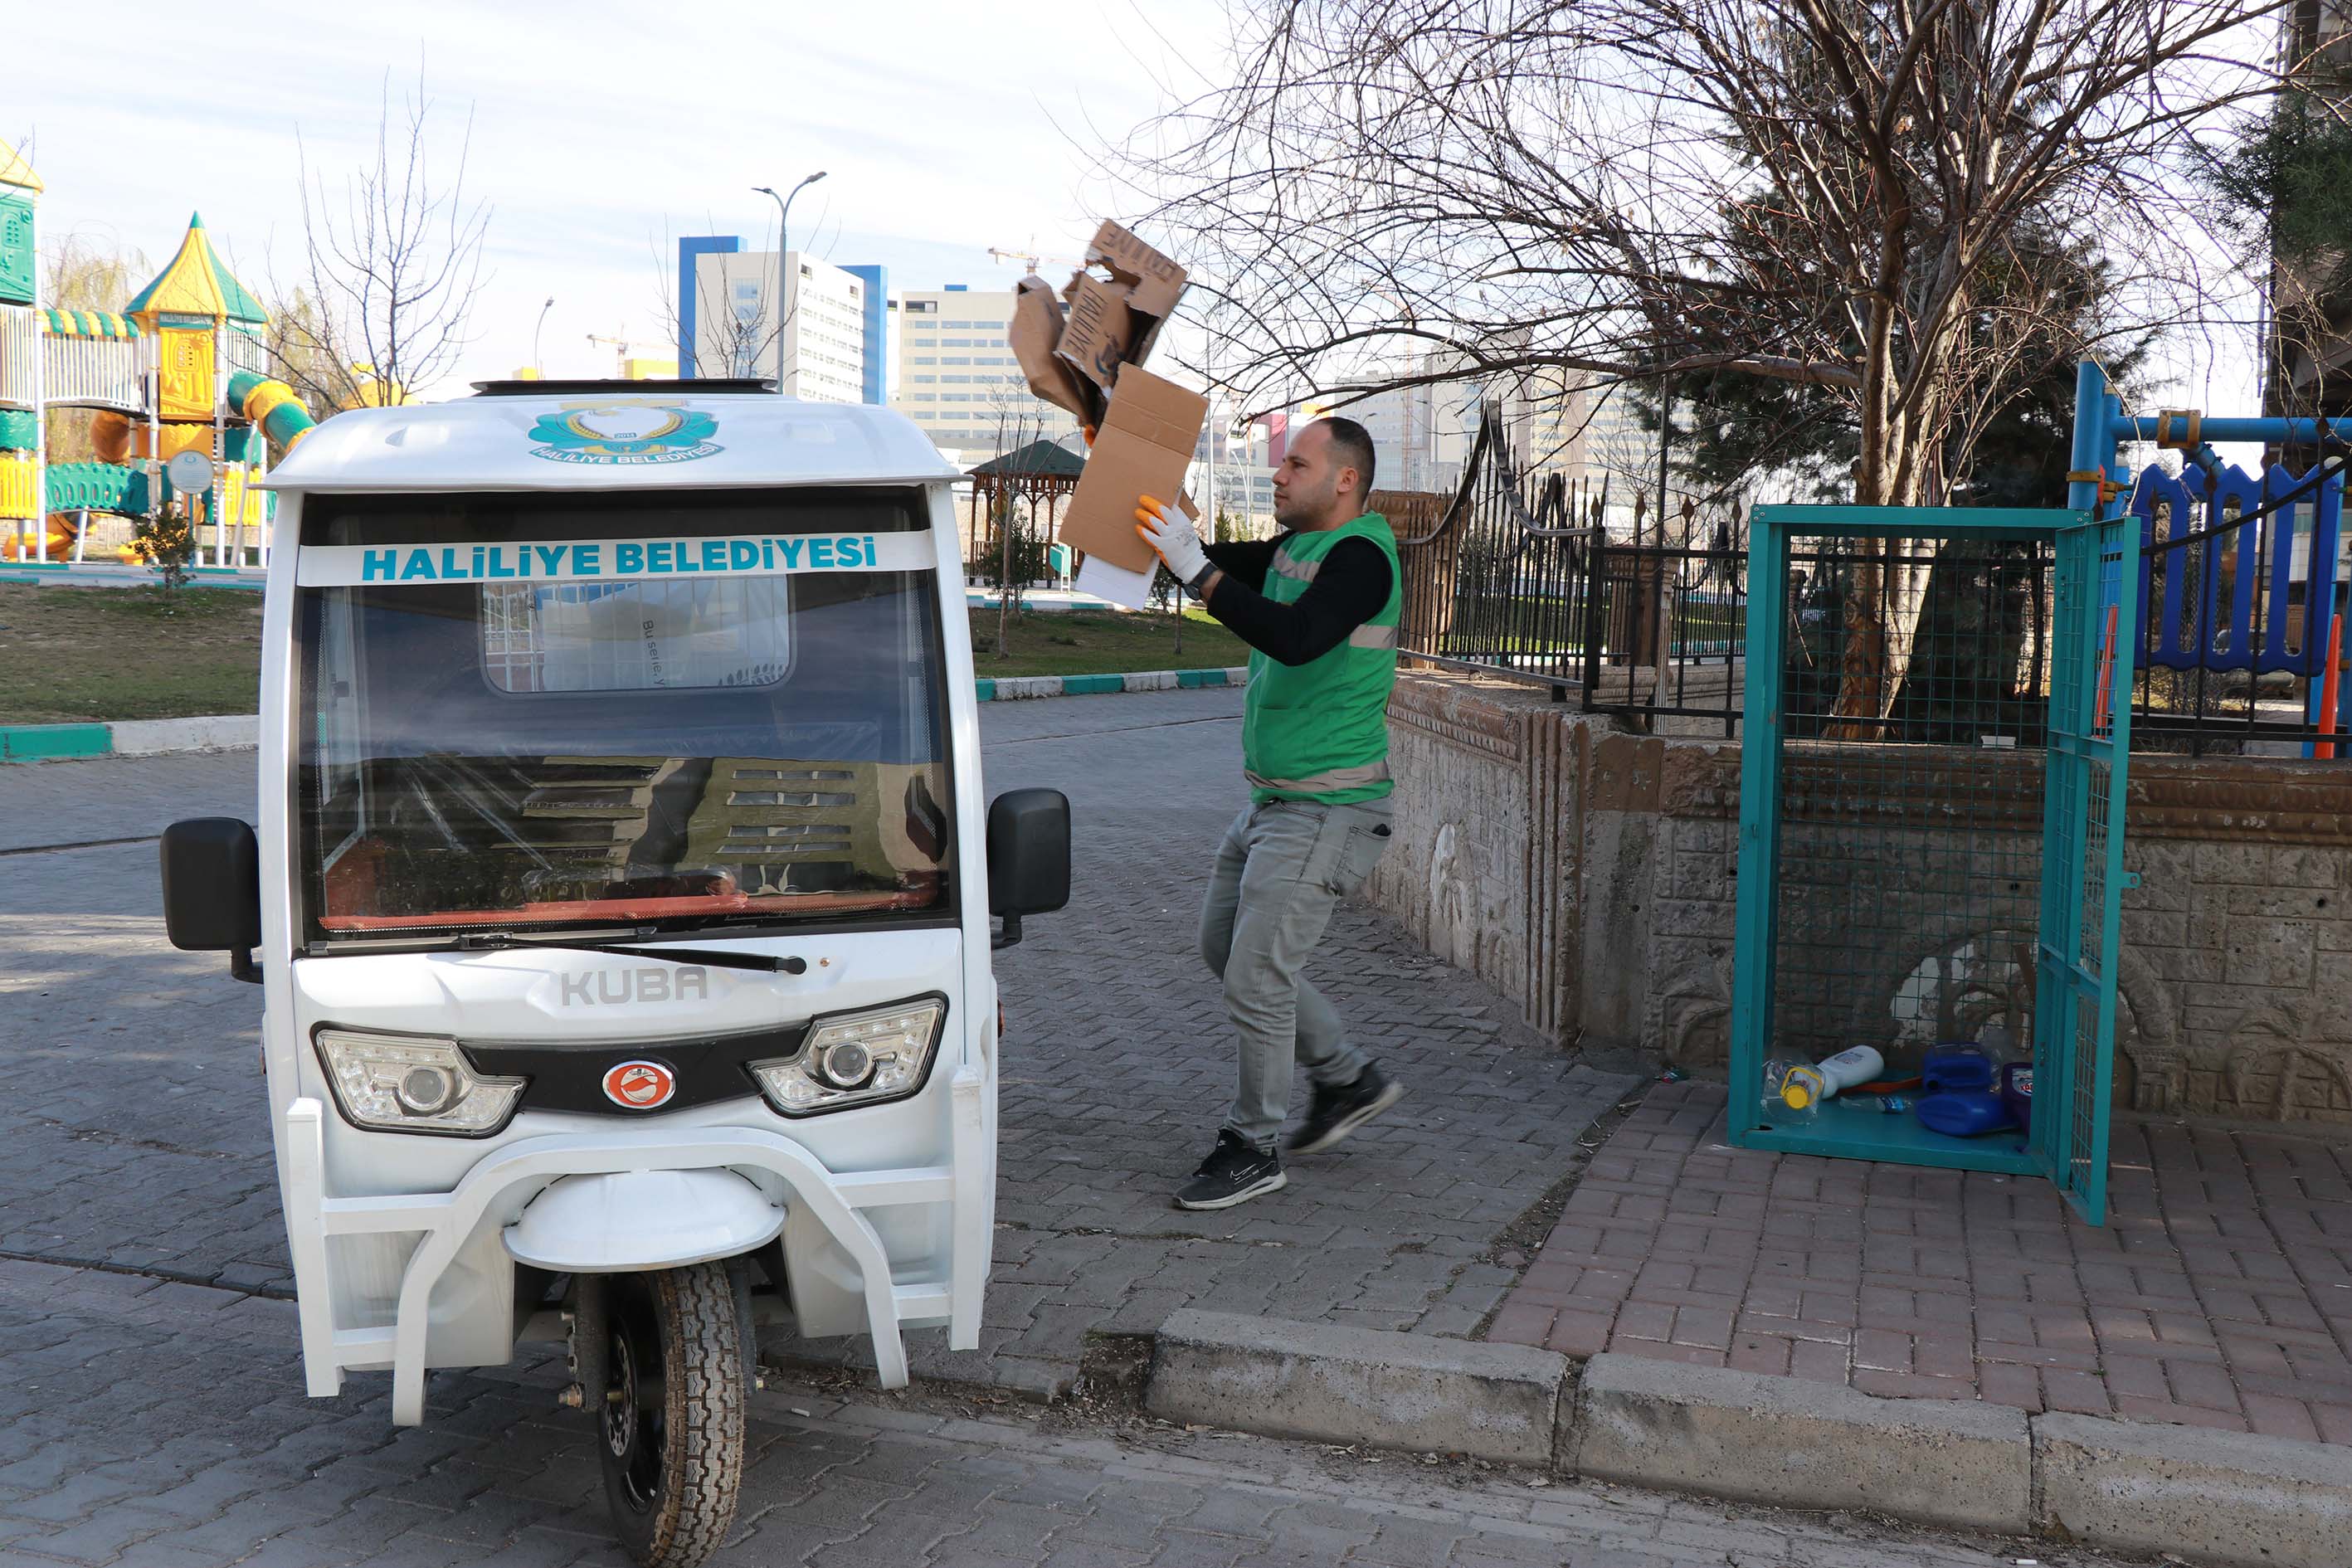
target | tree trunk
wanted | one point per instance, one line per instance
(1886, 587)
(1004, 581)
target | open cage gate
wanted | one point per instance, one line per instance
(1954, 867)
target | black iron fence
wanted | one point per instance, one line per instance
(1516, 575)
(1498, 577)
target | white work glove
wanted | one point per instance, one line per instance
(1167, 530)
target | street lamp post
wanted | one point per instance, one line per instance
(784, 244)
(543, 310)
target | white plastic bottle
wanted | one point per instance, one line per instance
(1802, 1086)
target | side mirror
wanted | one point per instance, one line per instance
(1028, 856)
(212, 889)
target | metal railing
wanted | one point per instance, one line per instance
(1667, 632)
(2239, 649)
(1498, 580)
(1517, 576)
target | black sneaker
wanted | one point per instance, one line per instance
(1233, 1172)
(1336, 1113)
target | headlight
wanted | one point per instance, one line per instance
(856, 1058)
(410, 1083)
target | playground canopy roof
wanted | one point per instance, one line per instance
(88, 324)
(197, 284)
(14, 171)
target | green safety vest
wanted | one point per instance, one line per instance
(1320, 730)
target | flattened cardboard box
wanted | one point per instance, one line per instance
(1036, 329)
(1148, 437)
(1116, 322)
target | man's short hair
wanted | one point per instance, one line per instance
(1351, 445)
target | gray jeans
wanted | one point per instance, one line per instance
(1279, 871)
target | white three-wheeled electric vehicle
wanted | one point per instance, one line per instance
(623, 903)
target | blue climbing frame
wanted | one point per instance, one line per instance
(2200, 607)
(1900, 826)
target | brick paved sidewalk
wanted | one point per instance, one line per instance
(2219, 1294)
(1119, 1064)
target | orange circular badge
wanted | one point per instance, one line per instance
(640, 1086)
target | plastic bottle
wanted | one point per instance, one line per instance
(1803, 1086)
(1776, 1075)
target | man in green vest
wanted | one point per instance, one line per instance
(1319, 606)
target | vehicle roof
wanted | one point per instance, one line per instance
(628, 438)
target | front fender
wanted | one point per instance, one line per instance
(619, 1222)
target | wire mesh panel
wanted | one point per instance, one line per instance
(1919, 714)
(2090, 722)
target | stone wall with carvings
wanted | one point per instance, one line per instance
(1592, 874)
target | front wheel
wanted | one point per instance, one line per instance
(672, 1413)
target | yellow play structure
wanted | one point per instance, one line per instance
(183, 369)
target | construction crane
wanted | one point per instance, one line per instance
(620, 347)
(1033, 258)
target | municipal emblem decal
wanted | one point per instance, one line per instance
(640, 1086)
(624, 431)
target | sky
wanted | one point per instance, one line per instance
(601, 132)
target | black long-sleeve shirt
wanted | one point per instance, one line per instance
(1350, 589)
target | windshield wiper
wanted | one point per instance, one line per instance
(717, 957)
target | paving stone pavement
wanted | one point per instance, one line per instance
(163, 1425)
(2219, 1294)
(133, 1131)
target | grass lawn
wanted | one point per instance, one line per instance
(82, 654)
(1073, 642)
(72, 653)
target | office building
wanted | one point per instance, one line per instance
(1422, 435)
(828, 343)
(957, 379)
(1235, 462)
(690, 249)
(875, 322)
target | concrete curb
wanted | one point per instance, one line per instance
(230, 732)
(1753, 1439)
(2220, 1498)
(221, 732)
(1018, 687)
(1336, 1384)
(127, 738)
(2214, 1497)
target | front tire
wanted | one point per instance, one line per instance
(670, 1422)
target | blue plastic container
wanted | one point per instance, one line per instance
(1969, 1113)
(1951, 1067)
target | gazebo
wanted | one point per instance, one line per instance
(1041, 472)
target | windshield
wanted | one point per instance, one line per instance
(673, 709)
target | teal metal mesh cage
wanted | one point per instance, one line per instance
(1927, 850)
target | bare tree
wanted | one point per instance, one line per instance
(1834, 193)
(391, 265)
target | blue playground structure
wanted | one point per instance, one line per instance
(2240, 574)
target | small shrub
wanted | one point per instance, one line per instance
(167, 544)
